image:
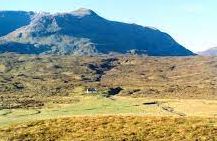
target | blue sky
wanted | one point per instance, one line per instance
(193, 23)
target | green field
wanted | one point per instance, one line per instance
(98, 105)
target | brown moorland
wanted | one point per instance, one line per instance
(32, 81)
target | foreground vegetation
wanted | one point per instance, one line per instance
(114, 128)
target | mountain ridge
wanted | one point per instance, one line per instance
(83, 32)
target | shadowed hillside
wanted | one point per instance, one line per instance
(12, 20)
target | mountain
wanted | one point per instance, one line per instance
(11, 20)
(84, 32)
(209, 52)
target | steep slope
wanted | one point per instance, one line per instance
(84, 32)
(11, 20)
(209, 52)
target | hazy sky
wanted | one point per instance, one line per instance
(193, 23)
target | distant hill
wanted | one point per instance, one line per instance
(83, 32)
(209, 52)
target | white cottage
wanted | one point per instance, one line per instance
(91, 90)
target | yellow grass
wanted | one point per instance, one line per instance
(112, 128)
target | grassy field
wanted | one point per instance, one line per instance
(85, 105)
(98, 105)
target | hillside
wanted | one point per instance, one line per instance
(34, 80)
(83, 32)
(12, 20)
